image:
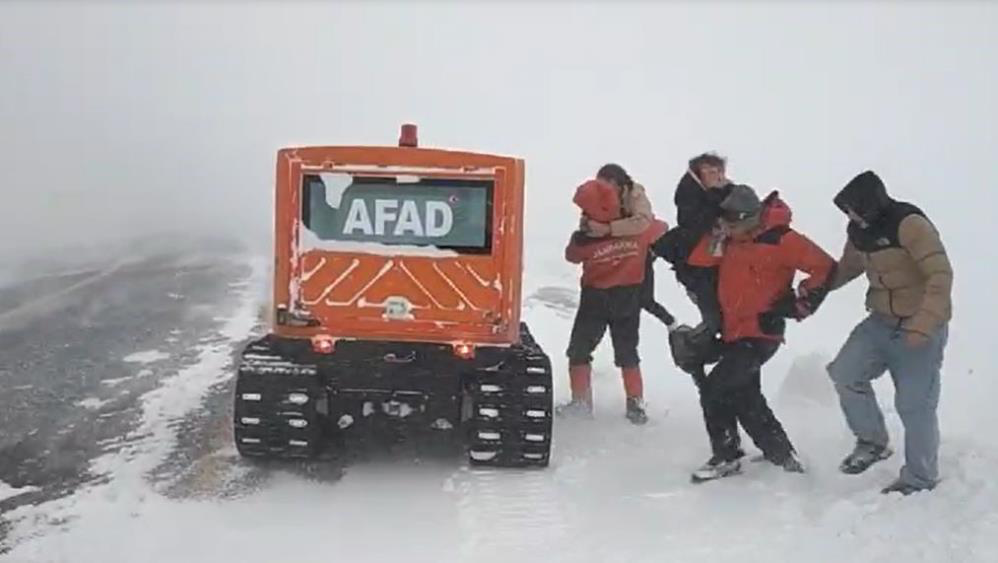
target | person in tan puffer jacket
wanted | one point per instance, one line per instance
(635, 207)
(910, 282)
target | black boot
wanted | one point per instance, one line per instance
(863, 456)
(636, 411)
(791, 463)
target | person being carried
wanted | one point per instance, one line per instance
(613, 271)
(698, 198)
(761, 256)
(635, 217)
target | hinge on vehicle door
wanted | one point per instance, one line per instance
(299, 316)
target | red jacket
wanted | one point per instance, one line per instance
(613, 261)
(757, 270)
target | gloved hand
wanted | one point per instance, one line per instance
(808, 301)
(802, 308)
(790, 306)
(774, 321)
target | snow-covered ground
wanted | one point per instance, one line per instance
(614, 492)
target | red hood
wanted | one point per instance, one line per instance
(775, 212)
(598, 200)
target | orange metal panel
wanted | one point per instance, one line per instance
(467, 298)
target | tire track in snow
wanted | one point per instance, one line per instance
(508, 514)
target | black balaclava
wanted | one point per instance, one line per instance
(866, 195)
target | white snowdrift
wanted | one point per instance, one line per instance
(146, 357)
(613, 493)
(7, 491)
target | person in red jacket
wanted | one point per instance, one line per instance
(756, 269)
(613, 270)
(636, 215)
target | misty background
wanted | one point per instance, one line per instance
(118, 121)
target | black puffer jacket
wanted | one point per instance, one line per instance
(697, 210)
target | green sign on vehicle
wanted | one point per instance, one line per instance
(448, 215)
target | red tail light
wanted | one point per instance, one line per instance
(464, 351)
(323, 344)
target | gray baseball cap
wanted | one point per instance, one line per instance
(742, 203)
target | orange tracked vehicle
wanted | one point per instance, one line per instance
(396, 299)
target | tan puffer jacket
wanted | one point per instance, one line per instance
(910, 280)
(638, 214)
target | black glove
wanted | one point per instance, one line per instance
(788, 307)
(809, 300)
(773, 323)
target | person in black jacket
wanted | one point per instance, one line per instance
(698, 199)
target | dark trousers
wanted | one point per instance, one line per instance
(732, 394)
(675, 247)
(701, 287)
(616, 308)
(648, 302)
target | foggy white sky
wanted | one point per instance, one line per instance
(117, 120)
(115, 117)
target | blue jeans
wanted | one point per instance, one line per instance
(877, 345)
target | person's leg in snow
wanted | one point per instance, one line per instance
(624, 331)
(739, 374)
(862, 359)
(719, 417)
(722, 429)
(915, 371)
(734, 393)
(590, 325)
(701, 287)
(648, 302)
(721, 423)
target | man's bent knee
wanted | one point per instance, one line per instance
(847, 374)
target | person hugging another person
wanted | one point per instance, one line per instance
(612, 289)
(636, 216)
